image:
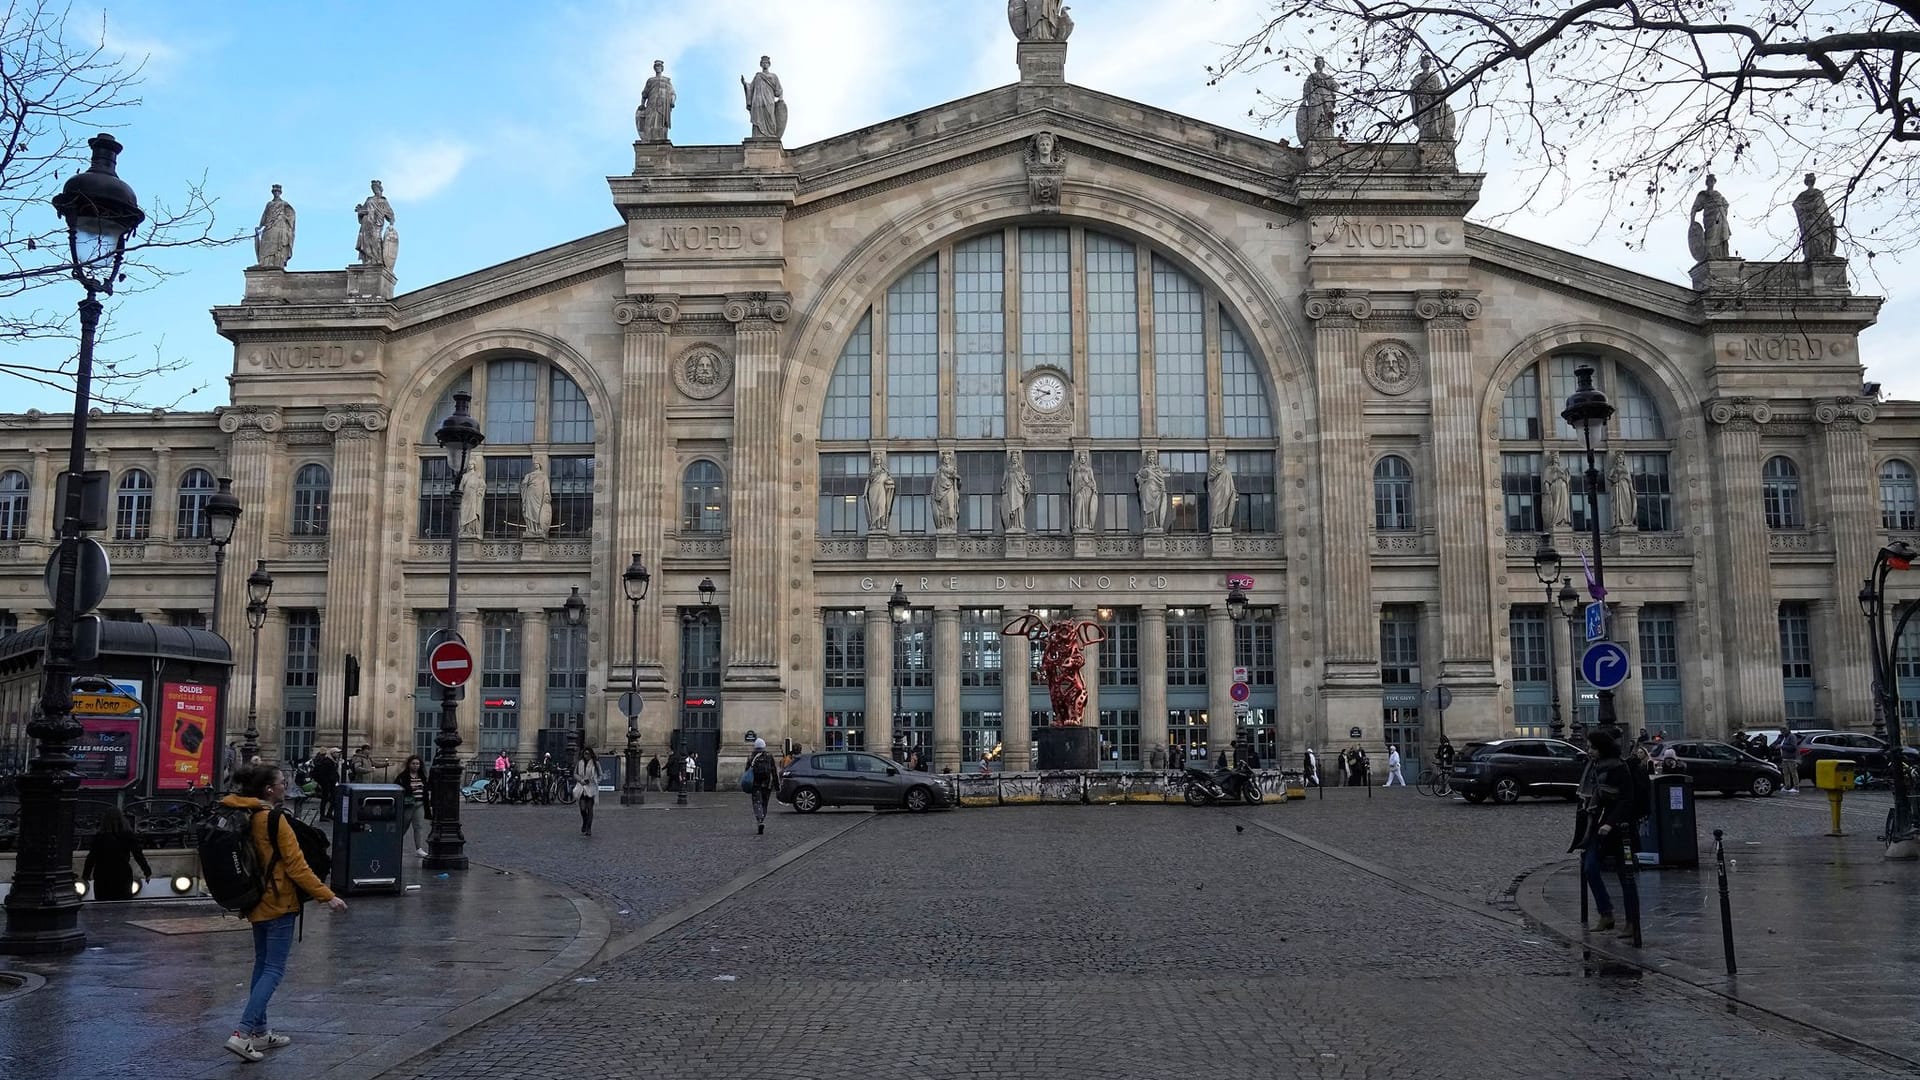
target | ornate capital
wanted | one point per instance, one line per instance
(1447, 303)
(744, 309)
(355, 421)
(250, 421)
(659, 309)
(1844, 411)
(1338, 303)
(1739, 413)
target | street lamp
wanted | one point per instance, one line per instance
(1899, 555)
(575, 609)
(458, 435)
(223, 513)
(42, 908)
(259, 588)
(900, 610)
(688, 620)
(1236, 602)
(1546, 568)
(1569, 602)
(1589, 410)
(634, 583)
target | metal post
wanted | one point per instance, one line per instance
(1726, 904)
(1553, 677)
(446, 843)
(1573, 682)
(634, 792)
(1900, 837)
(687, 620)
(1607, 717)
(251, 746)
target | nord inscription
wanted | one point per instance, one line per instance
(701, 238)
(1383, 235)
(1789, 347)
(301, 357)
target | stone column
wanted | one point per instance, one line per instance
(467, 713)
(1220, 726)
(352, 574)
(1751, 649)
(1630, 698)
(643, 499)
(1350, 683)
(1852, 484)
(166, 499)
(270, 669)
(533, 682)
(40, 485)
(946, 689)
(1016, 699)
(1153, 681)
(1824, 630)
(880, 638)
(252, 452)
(758, 582)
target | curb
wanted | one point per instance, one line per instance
(1530, 893)
(1454, 900)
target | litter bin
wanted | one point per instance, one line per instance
(366, 839)
(1669, 832)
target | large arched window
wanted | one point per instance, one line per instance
(1780, 493)
(14, 490)
(1899, 501)
(1392, 494)
(312, 500)
(703, 499)
(1058, 336)
(190, 520)
(133, 506)
(1637, 433)
(532, 412)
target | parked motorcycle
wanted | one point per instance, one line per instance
(1224, 786)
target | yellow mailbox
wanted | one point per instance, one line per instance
(1832, 775)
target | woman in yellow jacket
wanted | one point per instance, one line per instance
(289, 881)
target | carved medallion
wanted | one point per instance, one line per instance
(703, 372)
(1392, 367)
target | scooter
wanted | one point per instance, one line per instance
(1225, 786)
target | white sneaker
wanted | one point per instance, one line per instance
(244, 1047)
(270, 1041)
(422, 852)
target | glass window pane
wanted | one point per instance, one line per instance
(1561, 384)
(1520, 409)
(312, 500)
(1186, 490)
(1180, 353)
(979, 338)
(444, 408)
(913, 491)
(843, 502)
(1258, 509)
(913, 353)
(14, 490)
(1780, 493)
(190, 517)
(1047, 511)
(1520, 488)
(510, 399)
(571, 481)
(1639, 417)
(1113, 339)
(1652, 492)
(1046, 300)
(1118, 509)
(848, 413)
(980, 480)
(1243, 391)
(133, 507)
(703, 499)
(1392, 494)
(1899, 499)
(501, 516)
(570, 418)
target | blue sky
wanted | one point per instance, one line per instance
(494, 126)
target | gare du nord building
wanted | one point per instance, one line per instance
(1046, 271)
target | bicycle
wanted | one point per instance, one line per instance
(1434, 782)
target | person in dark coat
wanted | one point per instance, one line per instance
(673, 770)
(1601, 827)
(653, 773)
(110, 860)
(326, 776)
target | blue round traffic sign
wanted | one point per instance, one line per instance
(1604, 665)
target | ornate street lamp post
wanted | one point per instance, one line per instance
(42, 907)
(223, 513)
(1899, 555)
(259, 588)
(1236, 602)
(1570, 607)
(634, 583)
(575, 609)
(459, 434)
(900, 610)
(1589, 410)
(689, 620)
(1546, 567)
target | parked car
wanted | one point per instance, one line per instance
(853, 778)
(1718, 766)
(1505, 769)
(1868, 753)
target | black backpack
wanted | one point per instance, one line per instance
(1639, 786)
(314, 847)
(229, 863)
(762, 766)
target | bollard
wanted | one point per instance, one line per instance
(1726, 905)
(1633, 878)
(1833, 800)
(1581, 875)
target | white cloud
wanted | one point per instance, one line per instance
(420, 170)
(142, 51)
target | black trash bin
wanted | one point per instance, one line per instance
(1670, 833)
(366, 839)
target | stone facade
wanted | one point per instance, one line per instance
(1388, 524)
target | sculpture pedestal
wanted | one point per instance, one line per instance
(1153, 545)
(370, 279)
(1042, 61)
(1083, 547)
(1016, 547)
(1222, 544)
(946, 546)
(1068, 748)
(879, 547)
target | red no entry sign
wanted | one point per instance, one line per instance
(450, 663)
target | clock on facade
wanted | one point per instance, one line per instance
(1047, 393)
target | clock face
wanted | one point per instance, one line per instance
(1047, 393)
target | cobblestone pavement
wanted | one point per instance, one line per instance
(1130, 942)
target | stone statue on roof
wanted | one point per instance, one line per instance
(1039, 20)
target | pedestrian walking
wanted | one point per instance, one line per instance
(1361, 766)
(413, 799)
(1789, 761)
(653, 773)
(765, 774)
(502, 765)
(326, 777)
(289, 882)
(1313, 767)
(586, 786)
(1443, 755)
(689, 772)
(1393, 767)
(673, 770)
(1604, 818)
(110, 858)
(360, 767)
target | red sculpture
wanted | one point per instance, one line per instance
(1063, 651)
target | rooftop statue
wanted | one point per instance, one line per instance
(273, 240)
(1818, 237)
(655, 114)
(1707, 235)
(1317, 105)
(766, 104)
(1039, 20)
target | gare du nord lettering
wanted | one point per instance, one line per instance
(301, 357)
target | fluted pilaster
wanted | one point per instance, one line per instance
(1750, 652)
(643, 508)
(253, 451)
(759, 571)
(1153, 681)
(1352, 639)
(1016, 699)
(1848, 473)
(946, 689)
(880, 636)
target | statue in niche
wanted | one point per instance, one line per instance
(1046, 172)
(946, 494)
(376, 218)
(880, 487)
(1317, 105)
(536, 502)
(1039, 20)
(1707, 234)
(473, 497)
(1431, 113)
(1620, 487)
(1014, 490)
(1151, 482)
(766, 103)
(273, 240)
(1559, 492)
(1818, 237)
(1085, 490)
(1222, 494)
(655, 115)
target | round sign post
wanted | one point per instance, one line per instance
(450, 663)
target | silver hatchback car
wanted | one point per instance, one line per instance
(855, 778)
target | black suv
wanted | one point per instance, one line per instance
(1505, 769)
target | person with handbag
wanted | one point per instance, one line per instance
(586, 785)
(761, 777)
(413, 799)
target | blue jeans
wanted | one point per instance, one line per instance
(1593, 875)
(272, 942)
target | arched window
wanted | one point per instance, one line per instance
(529, 409)
(703, 499)
(1637, 433)
(190, 523)
(1780, 492)
(14, 490)
(1899, 502)
(312, 500)
(1392, 494)
(133, 506)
